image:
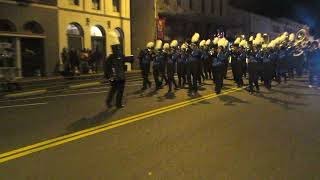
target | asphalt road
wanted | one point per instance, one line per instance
(271, 135)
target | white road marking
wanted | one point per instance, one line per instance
(22, 105)
(65, 95)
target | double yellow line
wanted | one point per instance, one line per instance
(98, 129)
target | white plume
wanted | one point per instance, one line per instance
(195, 38)
(158, 44)
(150, 44)
(174, 43)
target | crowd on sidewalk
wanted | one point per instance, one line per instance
(77, 62)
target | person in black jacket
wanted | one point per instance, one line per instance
(314, 65)
(115, 72)
(172, 59)
(145, 57)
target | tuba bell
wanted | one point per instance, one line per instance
(302, 37)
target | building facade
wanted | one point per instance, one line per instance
(36, 31)
(179, 19)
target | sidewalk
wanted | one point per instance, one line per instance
(42, 85)
(59, 77)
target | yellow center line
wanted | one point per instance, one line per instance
(98, 129)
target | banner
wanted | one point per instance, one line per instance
(161, 23)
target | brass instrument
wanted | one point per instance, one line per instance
(301, 42)
(302, 38)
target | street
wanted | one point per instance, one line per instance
(72, 135)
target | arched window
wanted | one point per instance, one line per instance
(98, 39)
(33, 27)
(120, 33)
(7, 25)
(75, 36)
(74, 29)
(97, 31)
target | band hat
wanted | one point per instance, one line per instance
(174, 43)
(216, 40)
(184, 46)
(195, 38)
(158, 45)
(202, 43)
(237, 41)
(166, 46)
(150, 44)
(208, 42)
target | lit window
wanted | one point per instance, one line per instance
(74, 2)
(116, 5)
(96, 32)
(96, 4)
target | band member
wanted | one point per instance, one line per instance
(218, 65)
(114, 72)
(298, 58)
(236, 63)
(207, 61)
(181, 65)
(253, 67)
(243, 46)
(282, 65)
(145, 57)
(314, 65)
(202, 50)
(193, 64)
(267, 66)
(171, 63)
(159, 57)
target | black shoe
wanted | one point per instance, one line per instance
(120, 106)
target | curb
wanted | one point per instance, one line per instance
(85, 85)
(29, 93)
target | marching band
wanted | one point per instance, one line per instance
(256, 58)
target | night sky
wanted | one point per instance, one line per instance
(305, 11)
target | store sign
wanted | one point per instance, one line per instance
(161, 23)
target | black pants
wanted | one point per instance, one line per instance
(299, 65)
(208, 67)
(225, 70)
(163, 76)
(201, 74)
(218, 76)
(244, 68)
(237, 73)
(145, 69)
(314, 73)
(171, 79)
(268, 71)
(156, 76)
(181, 70)
(253, 76)
(117, 87)
(193, 75)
